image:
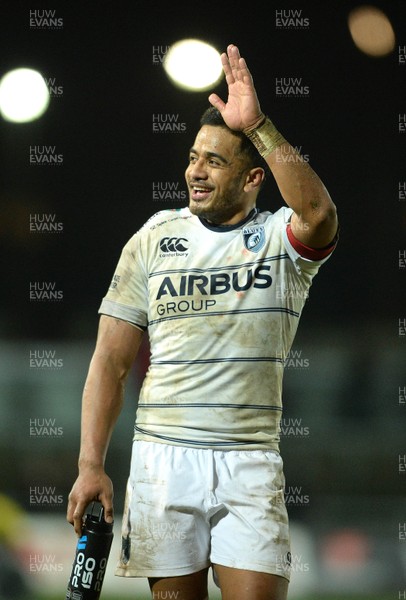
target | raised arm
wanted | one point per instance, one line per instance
(116, 348)
(314, 222)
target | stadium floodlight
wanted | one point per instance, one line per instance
(371, 31)
(193, 65)
(24, 95)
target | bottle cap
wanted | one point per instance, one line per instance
(96, 517)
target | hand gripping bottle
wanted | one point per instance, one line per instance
(92, 553)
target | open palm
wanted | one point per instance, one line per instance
(242, 109)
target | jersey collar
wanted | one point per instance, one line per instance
(220, 228)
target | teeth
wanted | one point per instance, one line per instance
(200, 189)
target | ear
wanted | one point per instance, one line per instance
(254, 179)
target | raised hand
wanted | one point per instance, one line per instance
(242, 109)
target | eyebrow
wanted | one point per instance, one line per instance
(211, 155)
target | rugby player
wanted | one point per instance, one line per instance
(220, 287)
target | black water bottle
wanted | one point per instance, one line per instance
(92, 553)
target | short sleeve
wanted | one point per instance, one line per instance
(127, 295)
(304, 257)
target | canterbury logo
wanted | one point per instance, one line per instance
(173, 244)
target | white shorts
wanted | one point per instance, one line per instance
(188, 508)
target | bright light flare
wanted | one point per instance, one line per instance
(193, 65)
(371, 31)
(24, 95)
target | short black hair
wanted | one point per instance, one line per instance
(212, 116)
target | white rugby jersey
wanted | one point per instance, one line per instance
(221, 305)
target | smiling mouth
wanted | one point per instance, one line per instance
(199, 192)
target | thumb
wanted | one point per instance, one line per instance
(109, 516)
(217, 102)
(108, 510)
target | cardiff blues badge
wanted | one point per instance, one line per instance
(254, 237)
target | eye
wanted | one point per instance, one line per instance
(192, 159)
(213, 162)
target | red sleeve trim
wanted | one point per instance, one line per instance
(306, 251)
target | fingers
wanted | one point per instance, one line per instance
(234, 66)
(235, 61)
(78, 518)
(227, 69)
(233, 56)
(87, 488)
(245, 73)
(229, 62)
(75, 515)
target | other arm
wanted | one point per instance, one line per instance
(116, 348)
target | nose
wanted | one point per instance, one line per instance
(197, 169)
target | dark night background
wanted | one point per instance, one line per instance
(102, 124)
(102, 193)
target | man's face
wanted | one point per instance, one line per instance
(216, 177)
